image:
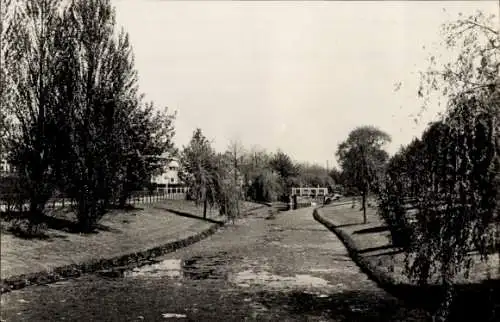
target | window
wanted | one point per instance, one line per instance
(172, 180)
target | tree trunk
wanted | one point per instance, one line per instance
(205, 203)
(122, 200)
(363, 196)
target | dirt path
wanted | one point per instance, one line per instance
(289, 268)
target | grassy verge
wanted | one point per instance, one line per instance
(369, 245)
(124, 238)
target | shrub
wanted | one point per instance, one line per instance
(23, 227)
(392, 211)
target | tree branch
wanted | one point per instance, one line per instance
(482, 26)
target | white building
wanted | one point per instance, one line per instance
(168, 176)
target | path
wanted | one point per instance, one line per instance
(289, 268)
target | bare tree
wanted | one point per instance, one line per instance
(236, 153)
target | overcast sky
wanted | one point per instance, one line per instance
(292, 75)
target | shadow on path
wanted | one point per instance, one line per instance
(372, 249)
(393, 252)
(479, 302)
(348, 225)
(188, 215)
(51, 222)
(344, 306)
(372, 230)
(471, 302)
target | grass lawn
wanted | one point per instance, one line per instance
(476, 298)
(373, 243)
(120, 233)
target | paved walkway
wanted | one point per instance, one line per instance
(263, 268)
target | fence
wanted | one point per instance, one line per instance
(7, 203)
(309, 191)
(165, 194)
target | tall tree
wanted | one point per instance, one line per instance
(463, 163)
(199, 170)
(362, 157)
(8, 10)
(100, 88)
(29, 50)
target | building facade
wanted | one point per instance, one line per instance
(168, 176)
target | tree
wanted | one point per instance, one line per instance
(148, 137)
(199, 170)
(362, 158)
(228, 188)
(265, 186)
(8, 12)
(261, 183)
(235, 153)
(461, 169)
(286, 169)
(98, 84)
(314, 175)
(29, 50)
(336, 175)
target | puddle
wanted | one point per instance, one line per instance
(205, 267)
(323, 270)
(194, 268)
(167, 268)
(249, 277)
(58, 284)
(173, 315)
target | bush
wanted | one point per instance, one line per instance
(24, 228)
(392, 211)
(12, 193)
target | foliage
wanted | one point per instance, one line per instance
(456, 168)
(287, 171)
(233, 161)
(283, 165)
(24, 228)
(8, 15)
(314, 175)
(13, 193)
(255, 168)
(30, 74)
(98, 91)
(448, 177)
(228, 188)
(362, 159)
(70, 105)
(199, 170)
(265, 186)
(148, 149)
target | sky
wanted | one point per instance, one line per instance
(297, 76)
